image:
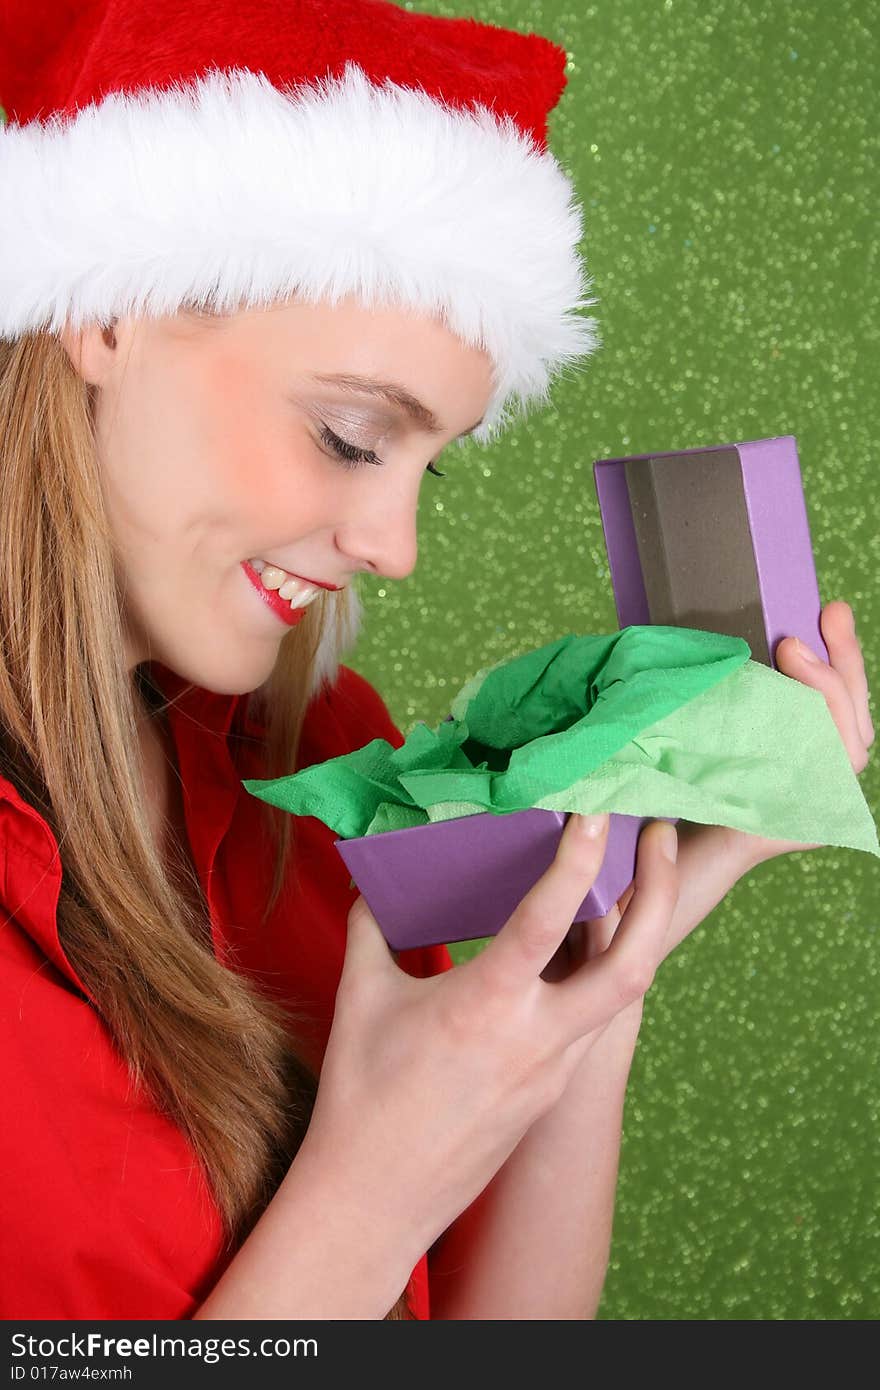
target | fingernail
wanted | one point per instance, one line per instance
(669, 841)
(592, 826)
(804, 652)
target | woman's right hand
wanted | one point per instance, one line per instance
(428, 1085)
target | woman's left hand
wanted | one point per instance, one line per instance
(845, 687)
(712, 858)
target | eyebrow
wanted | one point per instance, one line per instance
(394, 394)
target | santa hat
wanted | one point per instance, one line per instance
(233, 155)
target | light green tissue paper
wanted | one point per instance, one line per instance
(647, 721)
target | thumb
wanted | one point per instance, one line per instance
(365, 946)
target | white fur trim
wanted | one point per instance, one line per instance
(233, 192)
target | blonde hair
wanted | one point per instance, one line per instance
(215, 1054)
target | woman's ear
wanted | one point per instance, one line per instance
(92, 350)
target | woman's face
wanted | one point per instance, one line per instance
(215, 447)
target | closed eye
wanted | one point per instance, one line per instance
(353, 457)
(351, 454)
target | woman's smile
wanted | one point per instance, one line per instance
(289, 605)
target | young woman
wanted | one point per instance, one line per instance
(223, 1096)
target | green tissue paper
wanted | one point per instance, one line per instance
(648, 721)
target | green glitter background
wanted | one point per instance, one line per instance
(726, 156)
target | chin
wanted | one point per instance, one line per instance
(223, 670)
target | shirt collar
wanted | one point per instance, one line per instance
(189, 702)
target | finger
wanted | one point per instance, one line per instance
(830, 683)
(539, 924)
(588, 939)
(365, 946)
(624, 971)
(624, 899)
(571, 954)
(601, 931)
(839, 631)
(582, 941)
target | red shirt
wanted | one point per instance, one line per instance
(103, 1210)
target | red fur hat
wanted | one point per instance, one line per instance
(233, 155)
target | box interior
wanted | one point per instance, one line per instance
(695, 544)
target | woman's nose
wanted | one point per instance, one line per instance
(383, 540)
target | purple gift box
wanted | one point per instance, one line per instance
(712, 538)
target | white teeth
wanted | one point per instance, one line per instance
(291, 588)
(273, 577)
(303, 602)
(298, 593)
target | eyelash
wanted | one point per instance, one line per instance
(352, 457)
